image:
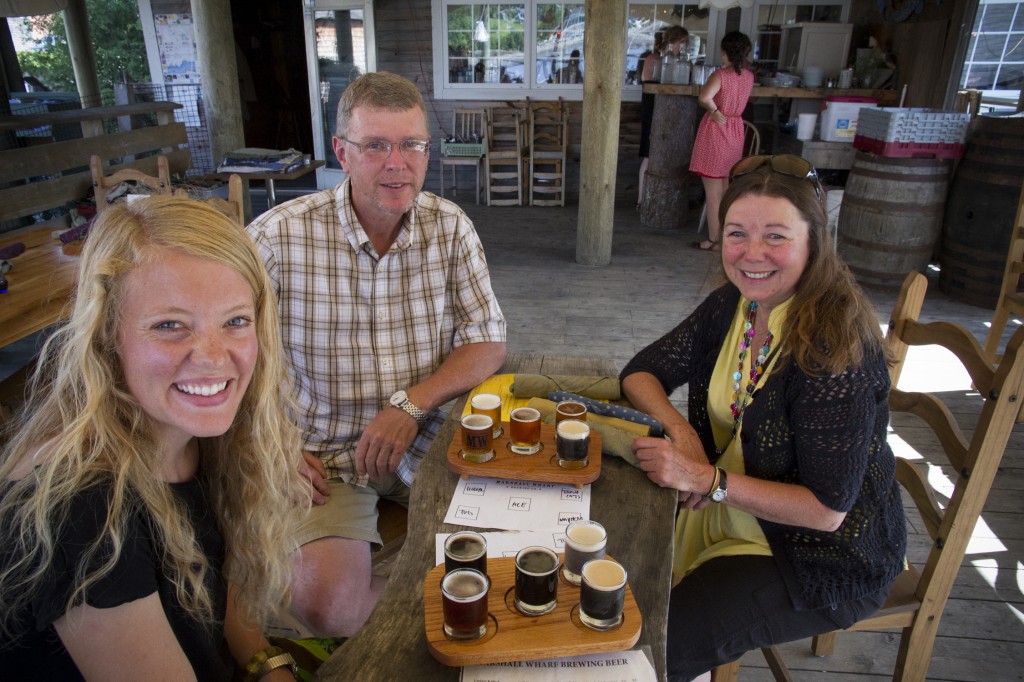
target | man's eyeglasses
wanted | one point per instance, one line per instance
(411, 150)
(785, 164)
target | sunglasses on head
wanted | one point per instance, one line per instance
(784, 164)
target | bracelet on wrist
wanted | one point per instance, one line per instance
(714, 483)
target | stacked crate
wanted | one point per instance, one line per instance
(912, 133)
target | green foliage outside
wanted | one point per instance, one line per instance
(117, 40)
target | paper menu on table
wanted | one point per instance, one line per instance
(617, 666)
(516, 505)
(508, 543)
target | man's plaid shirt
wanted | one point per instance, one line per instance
(357, 327)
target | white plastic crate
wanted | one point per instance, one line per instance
(924, 126)
(464, 148)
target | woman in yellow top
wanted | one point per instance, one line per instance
(791, 521)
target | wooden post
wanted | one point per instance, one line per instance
(604, 54)
(664, 204)
(83, 59)
(215, 44)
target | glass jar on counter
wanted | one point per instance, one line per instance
(681, 70)
(668, 68)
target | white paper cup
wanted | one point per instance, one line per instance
(805, 126)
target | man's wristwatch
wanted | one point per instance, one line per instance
(401, 400)
(719, 493)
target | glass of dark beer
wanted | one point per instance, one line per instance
(585, 540)
(477, 438)
(572, 441)
(602, 594)
(524, 430)
(570, 409)
(536, 580)
(489, 404)
(464, 603)
(465, 549)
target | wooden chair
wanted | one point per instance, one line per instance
(466, 123)
(1011, 299)
(504, 157)
(102, 183)
(548, 137)
(751, 146)
(968, 101)
(234, 205)
(919, 595)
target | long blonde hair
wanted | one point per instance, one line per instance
(92, 431)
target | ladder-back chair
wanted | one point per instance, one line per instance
(234, 206)
(548, 137)
(467, 125)
(102, 183)
(1011, 299)
(751, 146)
(504, 156)
(919, 594)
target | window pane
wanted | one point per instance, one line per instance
(559, 33)
(980, 76)
(1014, 48)
(998, 17)
(486, 43)
(1011, 77)
(646, 19)
(989, 47)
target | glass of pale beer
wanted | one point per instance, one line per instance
(477, 438)
(489, 404)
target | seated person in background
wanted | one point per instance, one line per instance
(792, 523)
(147, 498)
(570, 73)
(387, 314)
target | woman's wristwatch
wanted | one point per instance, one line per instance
(718, 491)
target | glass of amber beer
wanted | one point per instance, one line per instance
(489, 404)
(524, 431)
(477, 438)
(464, 603)
(570, 409)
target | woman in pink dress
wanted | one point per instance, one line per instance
(719, 142)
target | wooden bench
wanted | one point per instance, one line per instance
(45, 174)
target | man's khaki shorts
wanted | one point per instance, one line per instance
(351, 511)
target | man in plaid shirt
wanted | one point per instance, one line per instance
(387, 314)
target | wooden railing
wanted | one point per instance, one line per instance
(41, 173)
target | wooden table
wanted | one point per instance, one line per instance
(39, 284)
(269, 177)
(639, 517)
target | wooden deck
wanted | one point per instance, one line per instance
(556, 306)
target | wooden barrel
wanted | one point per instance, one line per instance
(983, 198)
(890, 220)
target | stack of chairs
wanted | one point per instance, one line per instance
(548, 136)
(504, 156)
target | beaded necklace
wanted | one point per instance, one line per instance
(756, 369)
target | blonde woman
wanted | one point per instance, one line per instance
(147, 497)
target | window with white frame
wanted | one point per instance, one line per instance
(497, 50)
(994, 62)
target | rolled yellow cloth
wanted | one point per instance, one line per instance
(539, 385)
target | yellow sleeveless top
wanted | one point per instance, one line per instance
(718, 529)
